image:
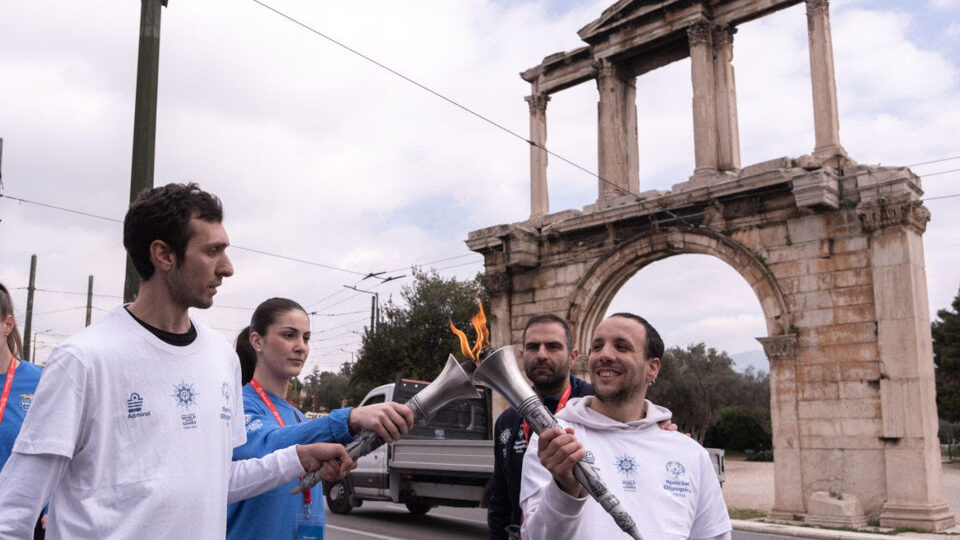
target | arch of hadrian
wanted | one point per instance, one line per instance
(831, 248)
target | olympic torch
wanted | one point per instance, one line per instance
(451, 384)
(499, 371)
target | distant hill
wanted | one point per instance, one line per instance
(757, 359)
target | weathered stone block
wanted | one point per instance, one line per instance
(833, 509)
(806, 229)
(853, 314)
(852, 278)
(813, 318)
(861, 427)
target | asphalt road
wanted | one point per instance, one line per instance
(387, 521)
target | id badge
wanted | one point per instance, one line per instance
(308, 527)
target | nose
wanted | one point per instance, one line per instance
(226, 267)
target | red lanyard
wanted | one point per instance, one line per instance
(563, 401)
(307, 499)
(11, 370)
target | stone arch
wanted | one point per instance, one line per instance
(604, 279)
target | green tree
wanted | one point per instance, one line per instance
(696, 383)
(413, 339)
(946, 356)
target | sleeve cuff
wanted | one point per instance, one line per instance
(290, 462)
(561, 502)
(339, 425)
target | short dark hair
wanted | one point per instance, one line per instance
(266, 314)
(164, 213)
(550, 318)
(654, 345)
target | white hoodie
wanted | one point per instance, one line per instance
(664, 480)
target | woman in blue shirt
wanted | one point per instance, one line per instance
(18, 381)
(272, 350)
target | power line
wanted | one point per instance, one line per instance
(441, 96)
(933, 161)
(937, 173)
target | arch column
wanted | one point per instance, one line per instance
(539, 200)
(728, 132)
(704, 98)
(618, 149)
(788, 501)
(826, 118)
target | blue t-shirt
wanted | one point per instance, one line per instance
(274, 514)
(25, 381)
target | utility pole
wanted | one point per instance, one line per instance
(89, 299)
(29, 316)
(145, 117)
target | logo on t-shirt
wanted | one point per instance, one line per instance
(504, 439)
(135, 406)
(253, 425)
(225, 412)
(25, 401)
(189, 420)
(185, 395)
(627, 467)
(677, 486)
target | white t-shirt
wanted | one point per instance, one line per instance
(664, 480)
(149, 429)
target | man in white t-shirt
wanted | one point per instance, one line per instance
(136, 417)
(663, 479)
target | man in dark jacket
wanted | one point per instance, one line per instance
(548, 356)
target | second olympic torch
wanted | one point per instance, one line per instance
(451, 384)
(499, 371)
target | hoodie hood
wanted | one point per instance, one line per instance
(578, 411)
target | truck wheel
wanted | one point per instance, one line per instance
(419, 508)
(338, 500)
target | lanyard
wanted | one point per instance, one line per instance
(11, 370)
(307, 499)
(563, 401)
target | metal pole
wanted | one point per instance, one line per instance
(29, 316)
(89, 299)
(34, 359)
(145, 117)
(373, 314)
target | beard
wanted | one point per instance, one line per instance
(618, 395)
(548, 384)
(183, 292)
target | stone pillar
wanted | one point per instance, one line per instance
(539, 200)
(704, 98)
(618, 149)
(728, 133)
(914, 495)
(826, 120)
(788, 501)
(498, 285)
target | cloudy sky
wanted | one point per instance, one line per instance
(321, 156)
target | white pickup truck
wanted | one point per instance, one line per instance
(445, 460)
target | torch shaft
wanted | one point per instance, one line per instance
(541, 419)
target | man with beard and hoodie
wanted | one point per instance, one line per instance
(548, 355)
(664, 479)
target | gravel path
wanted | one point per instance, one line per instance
(749, 485)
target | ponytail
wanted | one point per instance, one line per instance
(248, 357)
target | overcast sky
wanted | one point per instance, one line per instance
(319, 155)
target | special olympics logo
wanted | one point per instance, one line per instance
(675, 469)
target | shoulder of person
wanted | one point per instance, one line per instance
(508, 416)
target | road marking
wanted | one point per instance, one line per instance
(362, 533)
(468, 520)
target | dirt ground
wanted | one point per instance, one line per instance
(749, 485)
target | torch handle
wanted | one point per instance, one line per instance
(541, 419)
(367, 441)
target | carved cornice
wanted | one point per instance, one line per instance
(779, 347)
(537, 103)
(882, 214)
(817, 6)
(699, 33)
(496, 284)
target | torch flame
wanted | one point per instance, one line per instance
(479, 322)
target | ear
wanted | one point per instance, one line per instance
(574, 354)
(162, 256)
(256, 340)
(8, 324)
(653, 368)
